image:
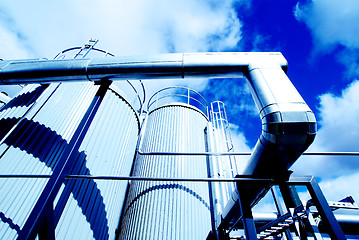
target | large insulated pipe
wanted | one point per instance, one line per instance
(164, 66)
(288, 124)
(288, 128)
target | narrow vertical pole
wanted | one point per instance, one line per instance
(209, 175)
(335, 231)
(41, 209)
(292, 202)
(246, 212)
(280, 210)
(47, 229)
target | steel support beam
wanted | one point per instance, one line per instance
(335, 231)
(318, 198)
(40, 215)
(246, 213)
(280, 210)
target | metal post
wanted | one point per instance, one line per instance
(41, 209)
(292, 202)
(47, 229)
(211, 201)
(246, 212)
(280, 210)
(335, 232)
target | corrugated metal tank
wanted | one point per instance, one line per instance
(171, 209)
(36, 126)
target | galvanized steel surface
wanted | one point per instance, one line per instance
(169, 210)
(4, 98)
(109, 149)
(36, 127)
(164, 66)
(289, 126)
(30, 147)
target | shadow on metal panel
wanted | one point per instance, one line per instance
(46, 145)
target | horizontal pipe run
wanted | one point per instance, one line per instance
(242, 178)
(165, 66)
(241, 153)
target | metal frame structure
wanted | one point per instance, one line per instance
(271, 229)
(288, 124)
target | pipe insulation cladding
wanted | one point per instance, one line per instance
(165, 66)
(288, 124)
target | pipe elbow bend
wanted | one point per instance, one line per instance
(292, 127)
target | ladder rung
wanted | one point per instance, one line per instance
(283, 224)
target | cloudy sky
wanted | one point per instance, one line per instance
(318, 38)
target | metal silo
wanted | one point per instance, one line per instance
(170, 209)
(54, 133)
(51, 131)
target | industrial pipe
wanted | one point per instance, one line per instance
(288, 124)
(165, 66)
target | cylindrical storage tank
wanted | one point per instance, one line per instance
(37, 128)
(170, 209)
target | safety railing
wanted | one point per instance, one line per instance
(133, 91)
(179, 95)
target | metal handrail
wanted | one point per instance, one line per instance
(156, 97)
(243, 153)
(141, 101)
(239, 178)
(76, 48)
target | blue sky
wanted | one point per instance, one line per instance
(318, 38)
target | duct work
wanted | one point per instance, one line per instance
(288, 124)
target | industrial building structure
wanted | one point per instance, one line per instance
(83, 158)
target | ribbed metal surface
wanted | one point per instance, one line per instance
(66, 108)
(58, 106)
(35, 128)
(24, 100)
(35, 153)
(169, 210)
(23, 151)
(109, 150)
(4, 99)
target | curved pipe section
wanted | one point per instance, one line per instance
(288, 128)
(288, 124)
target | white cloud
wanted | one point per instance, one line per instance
(334, 25)
(350, 58)
(332, 22)
(136, 27)
(341, 187)
(127, 27)
(339, 120)
(240, 144)
(339, 132)
(11, 42)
